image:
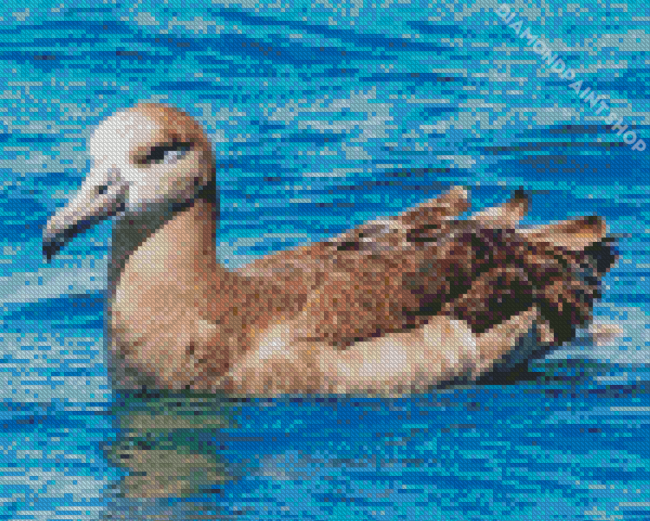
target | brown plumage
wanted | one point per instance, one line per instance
(390, 275)
(397, 304)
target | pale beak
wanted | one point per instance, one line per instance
(88, 207)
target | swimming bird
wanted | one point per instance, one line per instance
(398, 304)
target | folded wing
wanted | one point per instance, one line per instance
(394, 274)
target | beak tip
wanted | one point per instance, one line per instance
(50, 247)
(47, 255)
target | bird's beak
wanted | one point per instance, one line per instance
(88, 207)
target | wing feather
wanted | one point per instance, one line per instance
(393, 274)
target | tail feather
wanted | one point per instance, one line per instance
(556, 267)
(601, 256)
(568, 283)
(572, 235)
(565, 262)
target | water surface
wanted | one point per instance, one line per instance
(323, 115)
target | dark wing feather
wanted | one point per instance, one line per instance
(393, 274)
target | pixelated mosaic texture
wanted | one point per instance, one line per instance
(321, 117)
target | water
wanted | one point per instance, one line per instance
(323, 115)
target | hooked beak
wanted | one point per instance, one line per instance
(86, 209)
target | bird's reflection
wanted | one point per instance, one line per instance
(166, 447)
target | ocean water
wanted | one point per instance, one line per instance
(323, 115)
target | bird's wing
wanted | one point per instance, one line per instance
(394, 274)
(372, 245)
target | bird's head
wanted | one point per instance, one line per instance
(148, 160)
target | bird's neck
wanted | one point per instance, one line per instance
(177, 254)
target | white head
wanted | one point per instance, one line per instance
(145, 160)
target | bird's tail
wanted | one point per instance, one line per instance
(566, 265)
(556, 268)
(539, 282)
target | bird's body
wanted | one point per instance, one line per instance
(397, 304)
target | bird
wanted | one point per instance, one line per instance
(429, 297)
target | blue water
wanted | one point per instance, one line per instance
(323, 115)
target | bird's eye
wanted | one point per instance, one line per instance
(171, 156)
(101, 190)
(167, 154)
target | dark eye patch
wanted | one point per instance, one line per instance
(157, 153)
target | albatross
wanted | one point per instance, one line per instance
(399, 304)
